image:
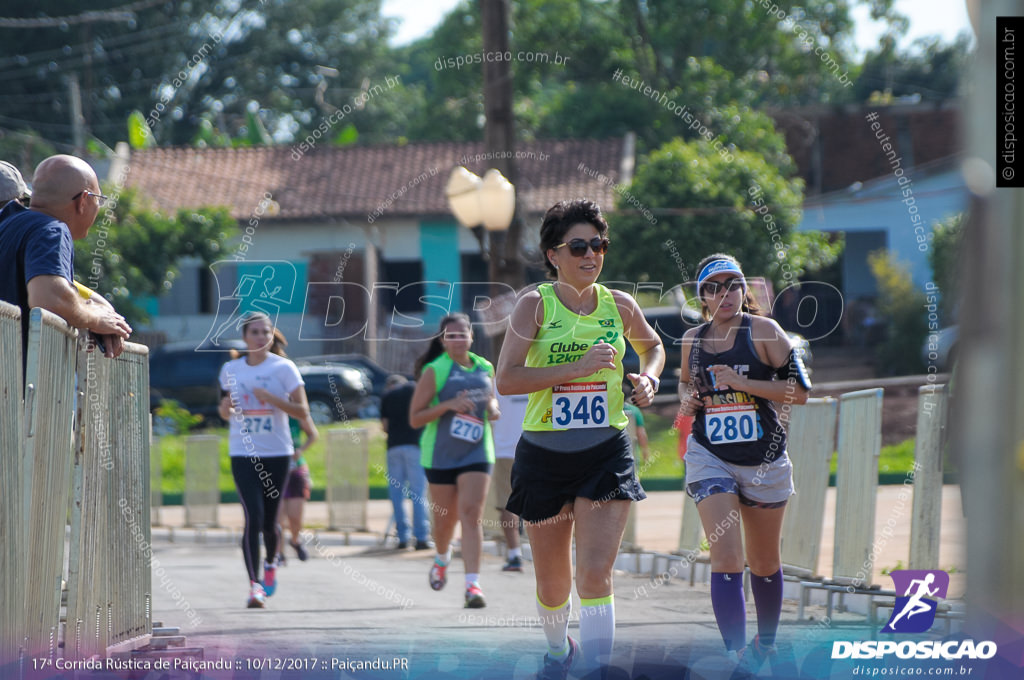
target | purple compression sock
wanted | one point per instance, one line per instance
(730, 609)
(767, 592)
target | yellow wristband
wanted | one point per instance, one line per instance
(82, 290)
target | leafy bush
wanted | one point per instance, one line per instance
(901, 305)
(944, 257)
(172, 418)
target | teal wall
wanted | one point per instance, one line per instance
(439, 242)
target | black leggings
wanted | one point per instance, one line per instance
(260, 483)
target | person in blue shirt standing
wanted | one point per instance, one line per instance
(406, 478)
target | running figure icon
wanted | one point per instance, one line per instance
(914, 611)
(914, 604)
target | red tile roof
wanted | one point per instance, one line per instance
(353, 182)
(835, 147)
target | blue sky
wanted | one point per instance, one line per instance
(927, 17)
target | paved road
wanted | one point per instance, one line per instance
(361, 604)
(349, 608)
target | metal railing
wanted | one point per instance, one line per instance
(109, 589)
(859, 447)
(12, 536)
(811, 444)
(347, 459)
(74, 448)
(50, 401)
(202, 480)
(927, 508)
(156, 470)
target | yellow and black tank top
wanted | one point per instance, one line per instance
(593, 401)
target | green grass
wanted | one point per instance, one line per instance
(172, 457)
(664, 462)
(894, 459)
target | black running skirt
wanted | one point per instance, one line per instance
(543, 480)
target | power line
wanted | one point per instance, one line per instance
(82, 60)
(123, 13)
(25, 60)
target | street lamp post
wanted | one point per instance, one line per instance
(486, 207)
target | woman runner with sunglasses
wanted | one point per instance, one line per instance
(736, 463)
(574, 465)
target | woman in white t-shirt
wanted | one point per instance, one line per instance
(259, 391)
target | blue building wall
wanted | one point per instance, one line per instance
(879, 214)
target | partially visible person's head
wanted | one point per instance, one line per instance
(67, 188)
(717, 275)
(560, 218)
(258, 331)
(455, 334)
(395, 380)
(12, 185)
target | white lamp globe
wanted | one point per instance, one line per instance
(463, 196)
(498, 199)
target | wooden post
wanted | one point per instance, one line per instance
(500, 136)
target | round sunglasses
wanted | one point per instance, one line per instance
(578, 247)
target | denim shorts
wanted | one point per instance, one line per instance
(768, 485)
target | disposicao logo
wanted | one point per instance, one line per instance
(915, 610)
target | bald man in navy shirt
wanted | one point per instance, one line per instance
(36, 253)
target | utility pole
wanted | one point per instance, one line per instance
(77, 119)
(500, 137)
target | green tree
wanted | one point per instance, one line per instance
(266, 64)
(901, 305)
(930, 70)
(132, 252)
(700, 54)
(119, 60)
(705, 201)
(944, 257)
(24, 149)
(183, 64)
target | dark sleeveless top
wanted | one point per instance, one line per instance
(739, 428)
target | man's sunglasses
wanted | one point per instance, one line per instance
(714, 287)
(578, 247)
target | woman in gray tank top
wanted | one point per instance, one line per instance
(454, 402)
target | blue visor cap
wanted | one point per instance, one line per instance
(717, 267)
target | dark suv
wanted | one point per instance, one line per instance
(188, 375)
(336, 392)
(375, 374)
(670, 323)
(184, 373)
